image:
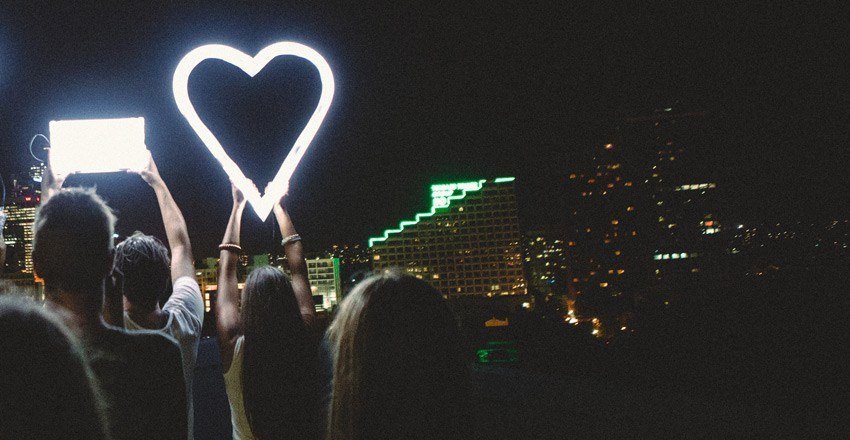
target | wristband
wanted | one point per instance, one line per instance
(233, 247)
(290, 239)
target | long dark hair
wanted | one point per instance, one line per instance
(280, 365)
(399, 367)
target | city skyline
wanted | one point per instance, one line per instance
(528, 92)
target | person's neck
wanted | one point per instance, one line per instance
(79, 310)
(152, 318)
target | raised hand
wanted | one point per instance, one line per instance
(50, 182)
(150, 173)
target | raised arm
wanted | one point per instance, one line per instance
(175, 225)
(294, 250)
(228, 324)
(50, 183)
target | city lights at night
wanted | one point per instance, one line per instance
(468, 220)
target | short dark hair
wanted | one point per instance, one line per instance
(145, 264)
(72, 240)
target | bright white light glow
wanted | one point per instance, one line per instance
(97, 145)
(279, 186)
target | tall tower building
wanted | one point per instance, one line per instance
(606, 247)
(645, 215)
(683, 224)
(468, 243)
(23, 199)
(546, 263)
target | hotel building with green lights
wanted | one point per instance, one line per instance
(467, 243)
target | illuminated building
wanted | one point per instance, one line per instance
(325, 282)
(605, 244)
(24, 198)
(323, 274)
(546, 263)
(354, 260)
(645, 216)
(467, 243)
(683, 225)
(36, 172)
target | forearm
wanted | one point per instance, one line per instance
(175, 224)
(294, 251)
(228, 260)
(175, 231)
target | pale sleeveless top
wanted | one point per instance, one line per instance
(233, 384)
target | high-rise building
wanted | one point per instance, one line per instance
(468, 243)
(325, 282)
(23, 199)
(605, 244)
(645, 215)
(355, 261)
(546, 263)
(683, 224)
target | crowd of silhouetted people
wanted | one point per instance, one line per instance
(105, 357)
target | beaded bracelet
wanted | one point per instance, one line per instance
(290, 239)
(233, 247)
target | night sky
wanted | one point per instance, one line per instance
(431, 92)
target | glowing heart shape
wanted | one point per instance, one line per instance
(264, 203)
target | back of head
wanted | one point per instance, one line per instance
(46, 388)
(73, 244)
(399, 366)
(279, 359)
(144, 262)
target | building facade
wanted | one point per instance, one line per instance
(645, 216)
(547, 263)
(21, 204)
(467, 244)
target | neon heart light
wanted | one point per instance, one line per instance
(262, 204)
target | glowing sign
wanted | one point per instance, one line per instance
(442, 196)
(97, 145)
(279, 185)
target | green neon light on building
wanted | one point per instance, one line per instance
(504, 179)
(442, 196)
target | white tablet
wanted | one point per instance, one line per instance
(97, 145)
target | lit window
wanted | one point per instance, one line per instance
(630, 208)
(615, 222)
(609, 146)
(603, 284)
(617, 253)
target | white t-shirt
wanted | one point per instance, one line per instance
(233, 385)
(185, 309)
